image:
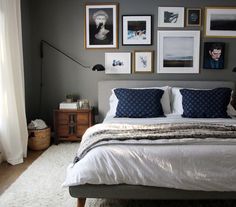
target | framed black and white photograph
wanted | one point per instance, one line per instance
(193, 17)
(136, 30)
(170, 16)
(214, 53)
(178, 51)
(220, 22)
(143, 61)
(101, 25)
(118, 63)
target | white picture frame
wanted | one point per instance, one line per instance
(143, 61)
(136, 30)
(170, 16)
(118, 63)
(101, 25)
(220, 22)
(178, 51)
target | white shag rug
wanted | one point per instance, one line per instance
(40, 186)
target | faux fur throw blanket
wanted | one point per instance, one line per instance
(174, 133)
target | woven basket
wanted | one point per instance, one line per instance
(39, 139)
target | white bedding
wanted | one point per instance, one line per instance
(190, 167)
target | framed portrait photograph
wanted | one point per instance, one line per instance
(193, 17)
(214, 53)
(170, 16)
(118, 63)
(136, 30)
(220, 22)
(178, 51)
(101, 25)
(143, 61)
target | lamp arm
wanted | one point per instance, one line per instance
(42, 42)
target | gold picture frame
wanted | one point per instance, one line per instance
(193, 17)
(143, 61)
(101, 25)
(220, 22)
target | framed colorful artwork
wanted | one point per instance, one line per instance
(220, 22)
(118, 63)
(136, 30)
(193, 17)
(178, 51)
(170, 16)
(101, 25)
(143, 61)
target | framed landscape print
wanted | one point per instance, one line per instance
(193, 17)
(137, 30)
(178, 51)
(214, 55)
(220, 22)
(143, 61)
(101, 25)
(118, 63)
(170, 16)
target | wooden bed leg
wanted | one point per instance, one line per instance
(81, 202)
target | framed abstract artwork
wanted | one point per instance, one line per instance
(143, 61)
(118, 63)
(170, 16)
(220, 22)
(193, 17)
(136, 30)
(178, 51)
(101, 25)
(214, 53)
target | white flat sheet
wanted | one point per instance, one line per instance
(190, 167)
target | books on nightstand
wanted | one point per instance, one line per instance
(66, 105)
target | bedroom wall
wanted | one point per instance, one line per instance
(61, 22)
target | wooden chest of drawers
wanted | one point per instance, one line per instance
(70, 125)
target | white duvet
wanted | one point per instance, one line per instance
(192, 167)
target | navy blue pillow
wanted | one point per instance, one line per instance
(206, 103)
(139, 103)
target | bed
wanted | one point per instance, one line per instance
(129, 190)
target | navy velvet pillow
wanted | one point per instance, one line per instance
(139, 103)
(206, 103)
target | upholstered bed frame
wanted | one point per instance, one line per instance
(144, 192)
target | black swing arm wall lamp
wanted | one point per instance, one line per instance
(97, 67)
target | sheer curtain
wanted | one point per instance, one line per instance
(13, 126)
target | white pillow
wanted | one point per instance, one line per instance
(176, 102)
(165, 100)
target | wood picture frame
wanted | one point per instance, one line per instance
(101, 25)
(143, 61)
(220, 22)
(136, 30)
(193, 17)
(178, 51)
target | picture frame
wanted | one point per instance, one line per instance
(118, 63)
(220, 22)
(214, 53)
(170, 16)
(193, 16)
(178, 51)
(101, 25)
(136, 30)
(143, 61)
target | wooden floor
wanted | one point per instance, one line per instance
(9, 173)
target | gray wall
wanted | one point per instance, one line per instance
(61, 22)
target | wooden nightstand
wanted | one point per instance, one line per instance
(70, 125)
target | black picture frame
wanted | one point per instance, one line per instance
(137, 30)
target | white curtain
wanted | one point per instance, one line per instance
(13, 125)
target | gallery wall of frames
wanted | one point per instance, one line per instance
(178, 35)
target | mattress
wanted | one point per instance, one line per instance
(199, 166)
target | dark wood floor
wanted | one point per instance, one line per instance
(9, 173)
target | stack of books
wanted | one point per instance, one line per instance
(66, 105)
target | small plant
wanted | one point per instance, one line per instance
(69, 98)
